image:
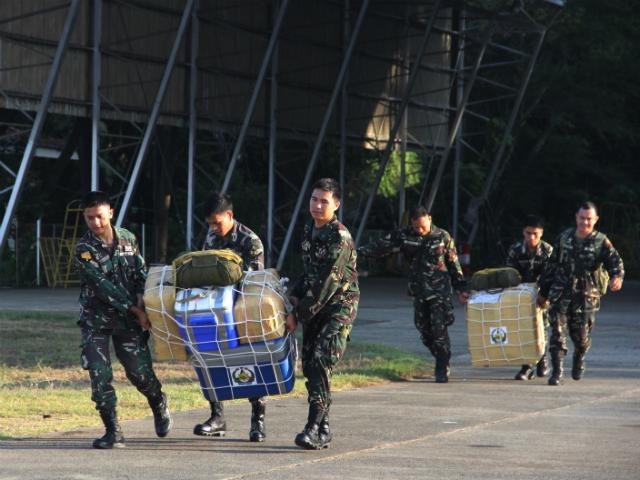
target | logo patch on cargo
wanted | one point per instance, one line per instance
(498, 336)
(243, 376)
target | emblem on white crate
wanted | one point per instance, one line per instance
(498, 335)
(243, 376)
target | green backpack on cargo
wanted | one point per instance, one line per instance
(208, 268)
(491, 278)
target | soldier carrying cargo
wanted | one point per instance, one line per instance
(529, 256)
(226, 232)
(577, 276)
(112, 276)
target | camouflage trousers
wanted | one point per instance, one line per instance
(579, 324)
(432, 317)
(323, 345)
(132, 351)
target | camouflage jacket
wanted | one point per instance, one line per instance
(433, 260)
(529, 264)
(329, 283)
(243, 241)
(111, 279)
(572, 266)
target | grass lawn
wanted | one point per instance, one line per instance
(43, 389)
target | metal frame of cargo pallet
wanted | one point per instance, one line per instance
(189, 14)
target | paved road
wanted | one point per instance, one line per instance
(481, 425)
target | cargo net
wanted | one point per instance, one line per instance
(234, 336)
(505, 327)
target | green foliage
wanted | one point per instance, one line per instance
(390, 183)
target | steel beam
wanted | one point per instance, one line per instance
(344, 106)
(273, 143)
(399, 118)
(475, 205)
(323, 129)
(193, 121)
(254, 96)
(41, 115)
(459, 113)
(95, 95)
(155, 111)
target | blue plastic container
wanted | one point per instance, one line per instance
(250, 374)
(205, 318)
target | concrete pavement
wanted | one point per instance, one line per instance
(481, 425)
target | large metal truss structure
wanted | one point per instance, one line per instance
(482, 60)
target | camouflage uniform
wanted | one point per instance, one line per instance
(531, 265)
(111, 281)
(328, 296)
(571, 287)
(433, 268)
(241, 240)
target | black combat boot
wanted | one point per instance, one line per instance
(525, 373)
(324, 434)
(577, 369)
(557, 359)
(309, 438)
(113, 437)
(542, 367)
(161, 416)
(442, 369)
(215, 425)
(257, 432)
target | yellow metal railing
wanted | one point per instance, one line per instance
(57, 252)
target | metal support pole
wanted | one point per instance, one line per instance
(507, 132)
(402, 193)
(155, 111)
(399, 117)
(95, 95)
(344, 106)
(38, 247)
(193, 119)
(273, 133)
(457, 159)
(39, 121)
(254, 96)
(459, 113)
(323, 129)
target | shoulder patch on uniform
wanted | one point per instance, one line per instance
(85, 255)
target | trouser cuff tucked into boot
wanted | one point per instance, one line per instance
(113, 437)
(309, 438)
(161, 416)
(577, 369)
(215, 425)
(257, 433)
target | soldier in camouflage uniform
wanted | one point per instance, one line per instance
(433, 269)
(226, 232)
(573, 284)
(112, 276)
(529, 256)
(326, 303)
